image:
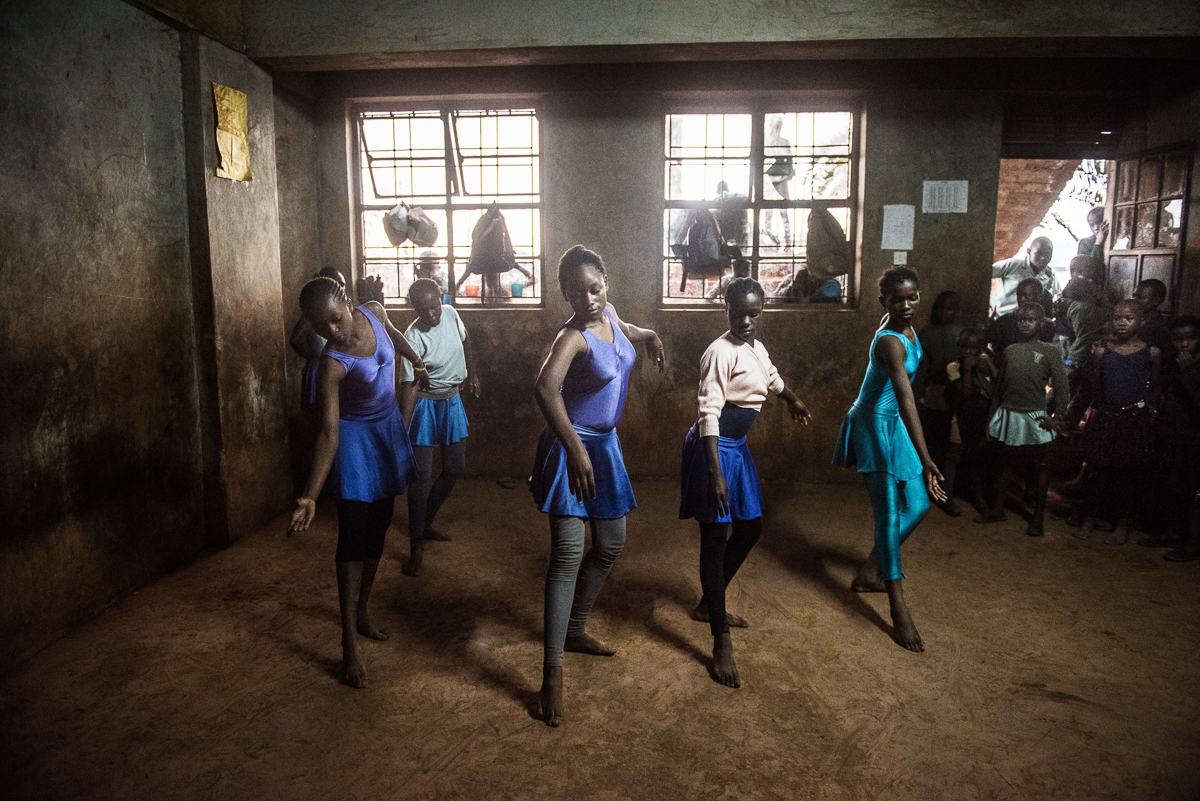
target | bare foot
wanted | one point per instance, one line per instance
(903, 631)
(549, 703)
(1120, 533)
(416, 555)
(436, 536)
(367, 628)
(587, 644)
(1085, 529)
(353, 673)
(868, 579)
(733, 621)
(724, 669)
(861, 584)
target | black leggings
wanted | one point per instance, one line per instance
(719, 562)
(362, 527)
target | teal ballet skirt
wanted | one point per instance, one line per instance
(873, 437)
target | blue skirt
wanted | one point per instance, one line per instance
(374, 458)
(438, 422)
(876, 442)
(741, 479)
(551, 487)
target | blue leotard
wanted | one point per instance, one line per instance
(873, 437)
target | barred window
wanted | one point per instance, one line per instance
(453, 163)
(765, 178)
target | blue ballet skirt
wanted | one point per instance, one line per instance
(551, 487)
(374, 457)
(438, 422)
(875, 440)
(741, 479)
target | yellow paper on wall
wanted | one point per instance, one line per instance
(233, 134)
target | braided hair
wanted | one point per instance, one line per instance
(322, 289)
(743, 288)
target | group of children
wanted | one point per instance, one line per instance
(1118, 382)
(376, 441)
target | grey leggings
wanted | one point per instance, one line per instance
(574, 580)
(426, 496)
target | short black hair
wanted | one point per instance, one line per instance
(1158, 286)
(425, 286)
(575, 260)
(743, 288)
(895, 277)
(1034, 306)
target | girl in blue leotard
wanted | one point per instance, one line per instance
(579, 473)
(362, 442)
(881, 436)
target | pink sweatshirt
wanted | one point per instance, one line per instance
(735, 372)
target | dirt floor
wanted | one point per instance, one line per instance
(1055, 668)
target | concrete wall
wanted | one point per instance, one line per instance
(602, 186)
(236, 277)
(99, 440)
(291, 31)
(142, 351)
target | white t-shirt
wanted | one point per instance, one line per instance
(441, 348)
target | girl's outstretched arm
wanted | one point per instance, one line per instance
(890, 350)
(329, 375)
(796, 407)
(400, 344)
(567, 345)
(654, 346)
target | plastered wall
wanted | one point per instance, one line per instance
(141, 356)
(99, 439)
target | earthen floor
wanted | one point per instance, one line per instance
(1055, 668)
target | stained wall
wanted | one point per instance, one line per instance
(100, 435)
(142, 348)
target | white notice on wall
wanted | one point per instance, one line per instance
(898, 227)
(900, 257)
(944, 197)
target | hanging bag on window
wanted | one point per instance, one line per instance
(422, 230)
(829, 254)
(395, 225)
(491, 247)
(703, 256)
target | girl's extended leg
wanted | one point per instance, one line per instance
(898, 508)
(608, 539)
(566, 554)
(454, 459)
(418, 498)
(719, 563)
(362, 529)
(728, 556)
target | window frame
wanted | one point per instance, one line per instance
(759, 106)
(454, 263)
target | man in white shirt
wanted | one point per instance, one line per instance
(1035, 264)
